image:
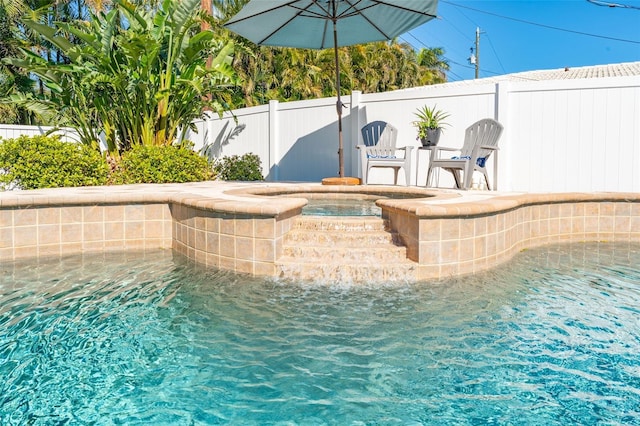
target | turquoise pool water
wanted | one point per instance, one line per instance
(341, 207)
(552, 338)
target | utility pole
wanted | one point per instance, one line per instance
(477, 51)
(474, 59)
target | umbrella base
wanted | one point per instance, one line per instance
(341, 181)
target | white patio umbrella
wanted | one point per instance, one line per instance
(316, 24)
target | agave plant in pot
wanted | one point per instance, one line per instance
(429, 124)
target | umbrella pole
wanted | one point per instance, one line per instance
(339, 101)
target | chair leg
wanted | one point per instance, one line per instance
(395, 175)
(407, 175)
(429, 170)
(486, 178)
(456, 177)
(468, 175)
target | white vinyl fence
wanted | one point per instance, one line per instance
(10, 131)
(560, 135)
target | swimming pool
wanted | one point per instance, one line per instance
(552, 337)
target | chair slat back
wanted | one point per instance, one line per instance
(485, 132)
(380, 139)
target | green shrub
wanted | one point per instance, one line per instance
(247, 168)
(161, 164)
(32, 162)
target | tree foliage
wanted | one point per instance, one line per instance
(289, 74)
(105, 62)
(13, 80)
(432, 59)
(135, 74)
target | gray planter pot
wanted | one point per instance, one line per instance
(433, 136)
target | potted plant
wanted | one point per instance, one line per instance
(429, 124)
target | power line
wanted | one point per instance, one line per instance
(449, 60)
(456, 28)
(416, 39)
(543, 25)
(495, 53)
(461, 65)
(424, 45)
(477, 26)
(607, 4)
(459, 77)
(466, 38)
(443, 57)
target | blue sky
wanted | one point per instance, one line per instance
(516, 44)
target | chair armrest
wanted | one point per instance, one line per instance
(407, 148)
(435, 151)
(491, 147)
(360, 146)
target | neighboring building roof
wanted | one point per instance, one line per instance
(595, 71)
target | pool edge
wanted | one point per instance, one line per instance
(230, 226)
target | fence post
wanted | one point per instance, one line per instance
(274, 140)
(502, 115)
(354, 114)
(207, 138)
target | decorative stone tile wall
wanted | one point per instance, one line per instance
(237, 242)
(62, 229)
(460, 243)
(243, 232)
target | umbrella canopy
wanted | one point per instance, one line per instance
(320, 24)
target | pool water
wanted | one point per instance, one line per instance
(341, 207)
(551, 338)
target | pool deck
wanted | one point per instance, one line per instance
(241, 226)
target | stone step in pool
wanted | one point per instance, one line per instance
(355, 238)
(345, 250)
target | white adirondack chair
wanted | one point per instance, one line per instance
(379, 150)
(480, 141)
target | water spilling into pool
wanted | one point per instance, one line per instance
(551, 338)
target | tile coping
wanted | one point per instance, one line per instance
(261, 198)
(242, 226)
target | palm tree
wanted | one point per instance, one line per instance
(10, 12)
(432, 59)
(299, 74)
(13, 80)
(223, 9)
(381, 66)
(16, 85)
(293, 74)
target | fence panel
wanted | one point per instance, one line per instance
(563, 135)
(11, 131)
(577, 135)
(247, 132)
(307, 143)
